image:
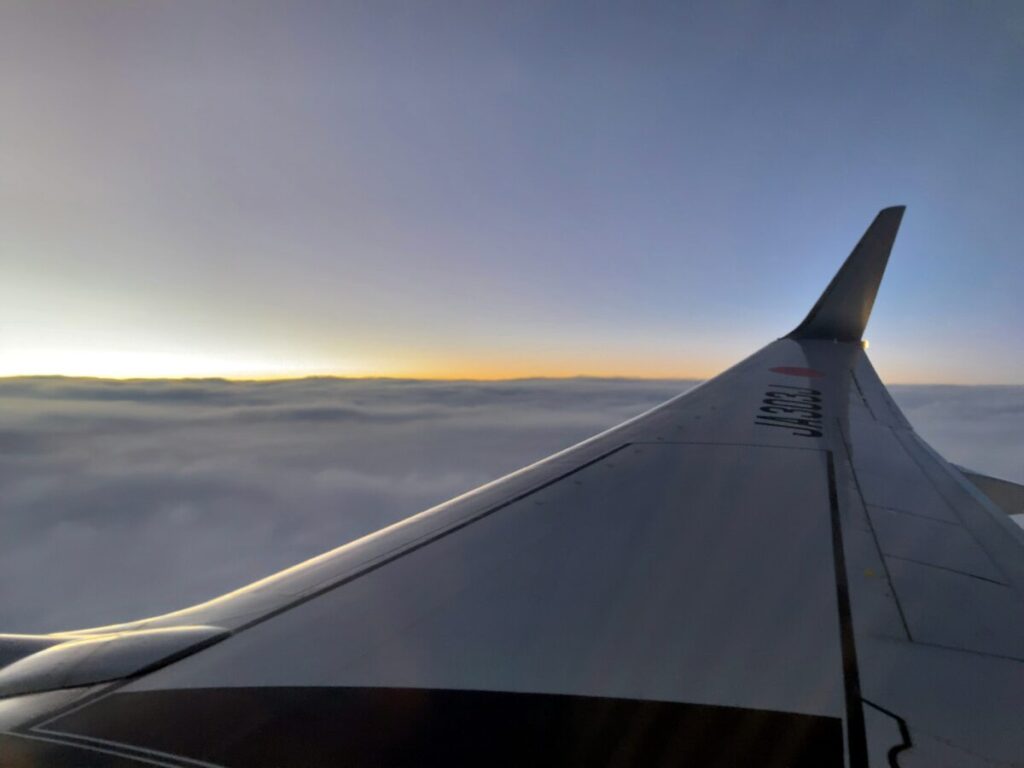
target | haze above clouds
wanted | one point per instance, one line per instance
(127, 499)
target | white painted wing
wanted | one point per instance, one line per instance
(772, 570)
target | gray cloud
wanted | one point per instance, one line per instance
(979, 427)
(125, 499)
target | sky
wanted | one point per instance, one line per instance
(129, 499)
(484, 190)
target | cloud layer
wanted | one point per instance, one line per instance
(125, 499)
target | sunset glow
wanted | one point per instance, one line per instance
(130, 364)
(195, 189)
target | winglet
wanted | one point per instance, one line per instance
(843, 310)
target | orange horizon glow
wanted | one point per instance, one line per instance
(455, 373)
(694, 361)
(459, 373)
(146, 362)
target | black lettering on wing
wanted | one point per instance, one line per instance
(795, 422)
(798, 409)
(806, 412)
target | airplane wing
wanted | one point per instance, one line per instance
(772, 569)
(1008, 496)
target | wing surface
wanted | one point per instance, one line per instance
(1006, 495)
(772, 569)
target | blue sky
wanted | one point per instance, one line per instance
(502, 189)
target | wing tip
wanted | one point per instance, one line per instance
(894, 215)
(842, 312)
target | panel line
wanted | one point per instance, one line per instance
(855, 730)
